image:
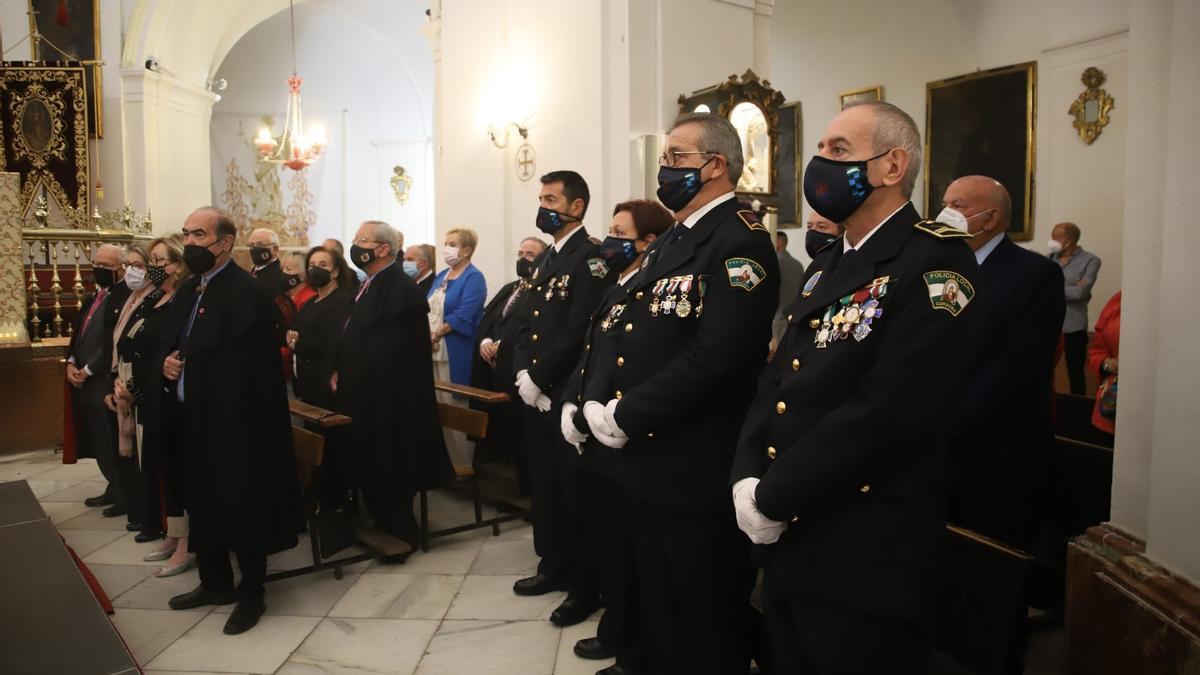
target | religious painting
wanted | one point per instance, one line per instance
(43, 135)
(982, 124)
(791, 175)
(69, 30)
(868, 95)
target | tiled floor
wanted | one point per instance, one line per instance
(450, 611)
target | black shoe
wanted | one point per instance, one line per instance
(98, 500)
(114, 511)
(143, 537)
(538, 584)
(615, 669)
(593, 649)
(200, 597)
(573, 611)
(133, 527)
(245, 616)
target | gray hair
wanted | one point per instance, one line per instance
(894, 128)
(138, 248)
(274, 236)
(541, 244)
(717, 135)
(119, 249)
(386, 234)
(420, 251)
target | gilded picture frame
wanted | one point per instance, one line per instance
(983, 123)
(79, 39)
(866, 95)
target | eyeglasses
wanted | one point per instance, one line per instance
(135, 265)
(671, 157)
(363, 240)
(159, 261)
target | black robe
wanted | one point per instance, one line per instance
(385, 384)
(243, 494)
(319, 324)
(504, 421)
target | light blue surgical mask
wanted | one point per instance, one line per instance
(410, 268)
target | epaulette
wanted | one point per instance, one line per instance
(941, 230)
(751, 220)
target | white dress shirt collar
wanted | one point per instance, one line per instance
(986, 250)
(858, 247)
(558, 245)
(691, 220)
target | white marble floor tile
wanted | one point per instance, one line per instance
(45, 488)
(492, 598)
(187, 672)
(149, 631)
(491, 647)
(78, 491)
(447, 555)
(260, 650)
(60, 512)
(399, 596)
(86, 541)
(122, 551)
(153, 593)
(90, 519)
(84, 469)
(506, 556)
(360, 646)
(301, 556)
(569, 664)
(23, 470)
(308, 595)
(116, 579)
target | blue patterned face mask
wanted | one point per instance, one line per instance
(551, 221)
(835, 189)
(678, 186)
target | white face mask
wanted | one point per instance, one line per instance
(450, 255)
(954, 218)
(1053, 246)
(135, 278)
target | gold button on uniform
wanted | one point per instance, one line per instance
(587, 348)
(618, 395)
(865, 488)
(780, 407)
(789, 316)
(771, 453)
(620, 361)
(795, 364)
(813, 323)
(534, 338)
(628, 328)
(539, 289)
(650, 435)
(639, 295)
(536, 313)
(534, 362)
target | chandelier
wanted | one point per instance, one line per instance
(292, 148)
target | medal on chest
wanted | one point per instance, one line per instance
(614, 313)
(684, 307)
(550, 288)
(656, 302)
(852, 315)
(668, 303)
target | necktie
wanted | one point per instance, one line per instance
(673, 236)
(845, 257)
(101, 296)
(512, 299)
(362, 290)
(187, 331)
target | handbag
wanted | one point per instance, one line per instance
(1107, 398)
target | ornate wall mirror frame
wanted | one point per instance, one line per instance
(753, 106)
(1091, 109)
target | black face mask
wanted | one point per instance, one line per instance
(551, 221)
(198, 258)
(156, 274)
(319, 277)
(618, 252)
(678, 186)
(104, 278)
(291, 280)
(260, 255)
(362, 257)
(815, 240)
(836, 189)
(524, 268)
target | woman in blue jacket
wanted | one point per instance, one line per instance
(456, 307)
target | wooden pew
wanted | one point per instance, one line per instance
(1073, 419)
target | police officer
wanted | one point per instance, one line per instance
(568, 281)
(685, 351)
(840, 463)
(635, 226)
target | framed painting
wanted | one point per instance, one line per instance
(983, 124)
(868, 95)
(69, 30)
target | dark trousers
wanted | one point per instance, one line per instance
(812, 637)
(1075, 347)
(608, 519)
(96, 435)
(694, 580)
(216, 574)
(559, 500)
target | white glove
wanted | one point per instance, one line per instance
(542, 403)
(610, 417)
(750, 520)
(527, 389)
(602, 429)
(569, 432)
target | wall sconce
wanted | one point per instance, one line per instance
(524, 131)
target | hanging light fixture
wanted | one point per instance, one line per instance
(292, 148)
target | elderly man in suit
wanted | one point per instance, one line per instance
(89, 363)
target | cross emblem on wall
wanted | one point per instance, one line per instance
(526, 162)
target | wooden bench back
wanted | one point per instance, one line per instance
(470, 422)
(309, 449)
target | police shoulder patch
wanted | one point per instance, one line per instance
(598, 267)
(744, 273)
(941, 230)
(751, 220)
(948, 290)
